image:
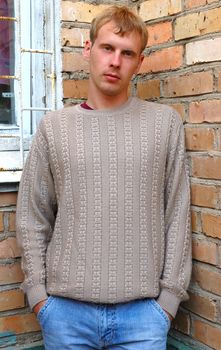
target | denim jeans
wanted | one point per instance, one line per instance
(75, 325)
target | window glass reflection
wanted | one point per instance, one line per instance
(6, 62)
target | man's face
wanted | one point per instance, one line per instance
(113, 60)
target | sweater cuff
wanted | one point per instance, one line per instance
(169, 302)
(36, 294)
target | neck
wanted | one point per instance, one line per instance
(99, 100)
(104, 104)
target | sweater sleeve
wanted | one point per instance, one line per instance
(177, 265)
(36, 210)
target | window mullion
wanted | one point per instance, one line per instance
(36, 77)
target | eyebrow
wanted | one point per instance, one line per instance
(131, 51)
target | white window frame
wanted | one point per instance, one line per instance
(37, 80)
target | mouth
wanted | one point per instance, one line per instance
(112, 77)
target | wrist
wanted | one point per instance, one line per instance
(169, 316)
(38, 306)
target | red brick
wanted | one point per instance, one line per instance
(1, 222)
(148, 89)
(188, 85)
(10, 273)
(208, 279)
(12, 221)
(211, 225)
(18, 324)
(195, 221)
(197, 24)
(74, 62)
(203, 51)
(207, 167)
(219, 193)
(205, 111)
(74, 36)
(219, 255)
(154, 9)
(9, 248)
(204, 196)
(194, 3)
(180, 108)
(201, 306)
(207, 334)
(80, 11)
(163, 60)
(75, 88)
(8, 198)
(182, 322)
(219, 81)
(159, 33)
(11, 299)
(204, 251)
(219, 139)
(200, 139)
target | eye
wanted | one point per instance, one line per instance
(107, 48)
(128, 53)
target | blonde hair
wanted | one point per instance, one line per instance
(125, 20)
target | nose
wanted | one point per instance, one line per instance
(116, 59)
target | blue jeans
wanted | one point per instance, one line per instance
(75, 325)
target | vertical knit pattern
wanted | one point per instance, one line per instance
(175, 151)
(69, 204)
(128, 232)
(155, 197)
(53, 255)
(40, 237)
(113, 210)
(23, 212)
(143, 205)
(120, 183)
(97, 238)
(82, 234)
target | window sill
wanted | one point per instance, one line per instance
(10, 176)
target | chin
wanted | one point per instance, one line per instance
(111, 92)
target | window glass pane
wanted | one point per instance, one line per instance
(7, 59)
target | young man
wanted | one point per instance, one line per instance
(103, 207)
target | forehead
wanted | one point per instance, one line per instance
(108, 34)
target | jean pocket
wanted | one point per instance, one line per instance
(44, 310)
(161, 312)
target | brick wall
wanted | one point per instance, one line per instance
(18, 326)
(182, 67)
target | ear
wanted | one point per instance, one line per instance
(87, 50)
(139, 64)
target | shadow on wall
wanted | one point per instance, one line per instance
(173, 344)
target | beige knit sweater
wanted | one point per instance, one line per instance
(103, 206)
